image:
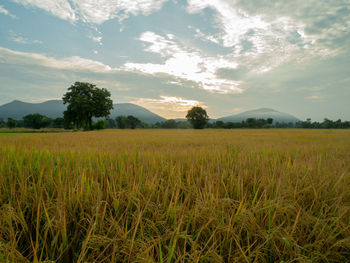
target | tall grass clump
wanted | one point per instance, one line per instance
(176, 196)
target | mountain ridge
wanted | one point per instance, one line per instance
(261, 113)
(54, 108)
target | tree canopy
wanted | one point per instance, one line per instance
(86, 101)
(130, 122)
(198, 117)
(36, 121)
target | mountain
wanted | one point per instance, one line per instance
(55, 108)
(125, 109)
(18, 109)
(263, 113)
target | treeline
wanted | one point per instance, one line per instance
(37, 121)
(131, 122)
(262, 123)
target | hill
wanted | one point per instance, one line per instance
(125, 109)
(263, 113)
(55, 108)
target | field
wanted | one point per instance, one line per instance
(176, 196)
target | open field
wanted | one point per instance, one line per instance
(9, 134)
(176, 196)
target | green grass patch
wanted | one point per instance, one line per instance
(3, 134)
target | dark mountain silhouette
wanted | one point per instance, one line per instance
(263, 113)
(125, 109)
(55, 108)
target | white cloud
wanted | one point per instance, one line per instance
(257, 40)
(74, 63)
(59, 8)
(18, 38)
(233, 21)
(6, 12)
(237, 109)
(97, 39)
(314, 97)
(170, 107)
(93, 11)
(200, 34)
(185, 63)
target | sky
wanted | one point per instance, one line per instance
(227, 56)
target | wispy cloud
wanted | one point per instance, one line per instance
(74, 63)
(186, 63)
(314, 97)
(258, 40)
(6, 12)
(168, 106)
(18, 38)
(92, 11)
(97, 39)
(59, 8)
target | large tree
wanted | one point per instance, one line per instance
(36, 121)
(198, 117)
(86, 101)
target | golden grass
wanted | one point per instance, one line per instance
(176, 196)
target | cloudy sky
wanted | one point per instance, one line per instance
(168, 55)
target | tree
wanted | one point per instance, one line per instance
(58, 122)
(2, 123)
(11, 123)
(36, 121)
(86, 101)
(132, 122)
(198, 117)
(121, 122)
(100, 125)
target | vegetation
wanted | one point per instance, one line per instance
(176, 196)
(86, 101)
(99, 125)
(128, 122)
(11, 123)
(36, 121)
(198, 117)
(326, 124)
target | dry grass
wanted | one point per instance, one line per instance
(176, 196)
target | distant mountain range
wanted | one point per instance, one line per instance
(55, 108)
(263, 113)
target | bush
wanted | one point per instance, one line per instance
(100, 125)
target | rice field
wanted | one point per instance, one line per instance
(176, 196)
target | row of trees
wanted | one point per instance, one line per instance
(86, 102)
(35, 121)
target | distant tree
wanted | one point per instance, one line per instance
(86, 101)
(111, 123)
(132, 122)
(2, 123)
(11, 123)
(219, 124)
(36, 121)
(58, 122)
(169, 124)
(121, 122)
(99, 125)
(198, 117)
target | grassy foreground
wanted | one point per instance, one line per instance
(176, 196)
